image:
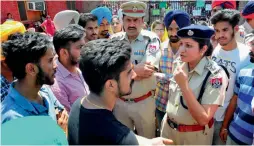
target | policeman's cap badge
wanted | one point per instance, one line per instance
(190, 33)
(134, 9)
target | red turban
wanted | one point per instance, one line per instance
(224, 4)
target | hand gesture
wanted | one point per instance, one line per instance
(144, 70)
(223, 134)
(62, 119)
(160, 141)
(181, 77)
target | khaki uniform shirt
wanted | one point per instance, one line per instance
(213, 93)
(145, 48)
(242, 32)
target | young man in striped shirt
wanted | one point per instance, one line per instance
(241, 128)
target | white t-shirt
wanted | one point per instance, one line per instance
(233, 60)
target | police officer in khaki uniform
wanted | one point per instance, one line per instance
(138, 109)
(196, 90)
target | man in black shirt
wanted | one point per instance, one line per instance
(107, 69)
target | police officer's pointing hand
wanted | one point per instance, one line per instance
(181, 77)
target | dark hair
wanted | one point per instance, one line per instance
(9, 14)
(157, 22)
(71, 33)
(14, 36)
(20, 50)
(202, 43)
(102, 60)
(86, 17)
(228, 15)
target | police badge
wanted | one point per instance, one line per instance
(216, 82)
(134, 9)
(152, 49)
(190, 33)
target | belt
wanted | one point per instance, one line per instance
(188, 128)
(135, 100)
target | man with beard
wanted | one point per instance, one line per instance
(108, 71)
(174, 20)
(90, 23)
(70, 83)
(31, 58)
(240, 129)
(138, 109)
(233, 56)
(104, 16)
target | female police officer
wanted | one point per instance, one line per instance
(196, 90)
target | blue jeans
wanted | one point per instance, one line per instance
(216, 134)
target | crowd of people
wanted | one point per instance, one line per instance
(104, 80)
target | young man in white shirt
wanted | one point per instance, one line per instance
(230, 54)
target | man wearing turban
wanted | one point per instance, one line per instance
(104, 16)
(64, 18)
(222, 4)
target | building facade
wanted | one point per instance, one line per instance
(30, 11)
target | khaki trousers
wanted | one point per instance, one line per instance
(140, 115)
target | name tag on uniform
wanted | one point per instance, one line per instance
(139, 52)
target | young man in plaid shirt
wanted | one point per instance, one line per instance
(174, 20)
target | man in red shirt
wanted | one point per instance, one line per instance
(48, 26)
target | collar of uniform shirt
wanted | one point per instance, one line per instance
(200, 66)
(139, 37)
